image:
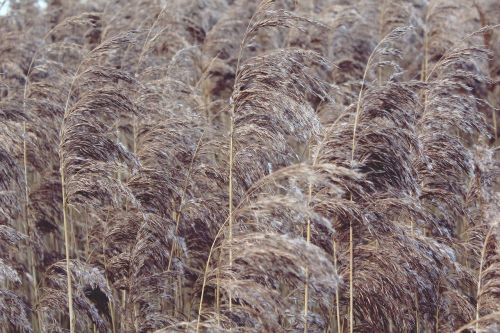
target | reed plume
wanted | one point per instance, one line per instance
(249, 166)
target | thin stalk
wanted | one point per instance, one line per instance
(306, 284)
(31, 257)
(356, 120)
(479, 279)
(417, 321)
(495, 135)
(351, 257)
(87, 237)
(66, 245)
(337, 294)
(380, 32)
(358, 104)
(184, 189)
(178, 214)
(205, 275)
(230, 182)
(416, 293)
(436, 328)
(231, 153)
(230, 189)
(493, 315)
(308, 239)
(112, 313)
(217, 292)
(207, 265)
(124, 304)
(425, 62)
(455, 49)
(29, 225)
(134, 134)
(66, 222)
(437, 320)
(351, 266)
(315, 161)
(110, 303)
(143, 50)
(72, 233)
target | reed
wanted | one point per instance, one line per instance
(249, 166)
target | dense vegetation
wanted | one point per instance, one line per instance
(249, 166)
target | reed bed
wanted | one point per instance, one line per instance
(249, 166)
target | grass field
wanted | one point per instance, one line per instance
(249, 166)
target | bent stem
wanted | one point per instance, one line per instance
(205, 275)
(356, 121)
(66, 222)
(207, 265)
(492, 315)
(188, 174)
